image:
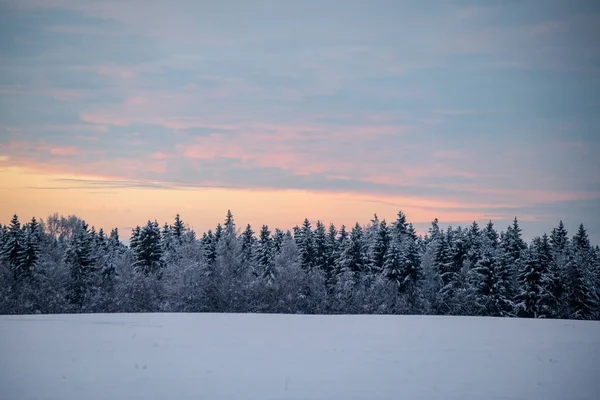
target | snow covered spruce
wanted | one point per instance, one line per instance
(61, 265)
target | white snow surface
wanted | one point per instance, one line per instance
(250, 356)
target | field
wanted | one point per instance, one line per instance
(233, 356)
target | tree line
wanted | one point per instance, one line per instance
(61, 265)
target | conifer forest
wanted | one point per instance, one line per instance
(62, 265)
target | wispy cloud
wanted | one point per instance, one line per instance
(483, 115)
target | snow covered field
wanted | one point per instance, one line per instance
(229, 356)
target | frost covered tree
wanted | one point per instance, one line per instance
(278, 237)
(209, 246)
(581, 279)
(491, 285)
(535, 298)
(380, 246)
(265, 257)
(247, 247)
(392, 264)
(353, 256)
(399, 227)
(148, 252)
(228, 251)
(411, 270)
(79, 256)
(306, 246)
(169, 244)
(13, 248)
(491, 235)
(382, 270)
(320, 247)
(30, 251)
(331, 252)
(178, 229)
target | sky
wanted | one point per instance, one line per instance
(124, 111)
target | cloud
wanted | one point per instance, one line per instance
(64, 151)
(323, 97)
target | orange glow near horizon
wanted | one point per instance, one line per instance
(37, 194)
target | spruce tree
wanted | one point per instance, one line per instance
(247, 247)
(535, 299)
(168, 242)
(392, 265)
(178, 229)
(331, 254)
(134, 240)
(320, 247)
(228, 250)
(399, 227)
(353, 256)
(278, 238)
(148, 252)
(28, 259)
(474, 243)
(380, 247)
(209, 247)
(434, 231)
(13, 248)
(446, 271)
(491, 234)
(411, 268)
(265, 257)
(306, 246)
(581, 280)
(79, 256)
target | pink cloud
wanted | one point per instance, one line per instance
(159, 156)
(64, 151)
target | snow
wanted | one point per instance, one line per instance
(233, 356)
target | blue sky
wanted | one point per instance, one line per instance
(464, 109)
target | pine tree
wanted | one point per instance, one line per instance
(148, 252)
(392, 265)
(247, 245)
(178, 229)
(560, 246)
(278, 238)
(80, 259)
(535, 297)
(411, 268)
(168, 242)
(134, 240)
(218, 233)
(13, 248)
(434, 230)
(513, 244)
(380, 247)
(446, 271)
(331, 254)
(371, 233)
(209, 246)
(320, 247)
(559, 239)
(491, 234)
(399, 228)
(581, 280)
(474, 243)
(28, 259)
(114, 237)
(306, 250)
(228, 251)
(353, 256)
(265, 257)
